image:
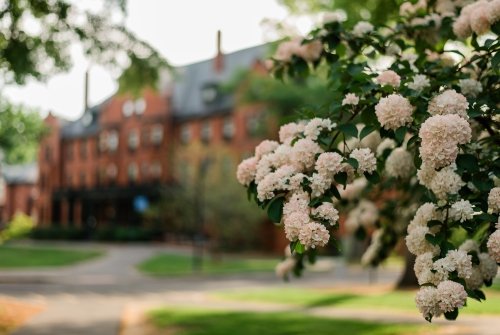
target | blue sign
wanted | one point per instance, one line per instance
(141, 203)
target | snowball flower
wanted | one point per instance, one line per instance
(399, 164)
(290, 131)
(462, 211)
(296, 202)
(451, 295)
(350, 99)
(427, 301)
(304, 152)
(394, 111)
(389, 77)
(362, 28)
(246, 171)
(327, 212)
(265, 147)
(365, 214)
(449, 102)
(470, 87)
(417, 244)
(423, 270)
(445, 182)
(475, 281)
(293, 224)
(315, 126)
(419, 83)
(366, 160)
(494, 200)
(494, 245)
(286, 50)
(487, 266)
(387, 143)
(310, 51)
(319, 184)
(335, 16)
(313, 235)
(329, 163)
(440, 136)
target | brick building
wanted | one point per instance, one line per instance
(18, 191)
(126, 147)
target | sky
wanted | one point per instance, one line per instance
(184, 31)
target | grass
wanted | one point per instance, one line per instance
(322, 298)
(199, 322)
(24, 257)
(174, 265)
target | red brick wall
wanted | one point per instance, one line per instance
(19, 198)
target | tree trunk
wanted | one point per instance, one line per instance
(408, 279)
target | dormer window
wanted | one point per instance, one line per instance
(209, 93)
(87, 119)
(185, 134)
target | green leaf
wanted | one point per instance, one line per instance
(434, 239)
(349, 129)
(467, 162)
(341, 178)
(352, 162)
(373, 177)
(451, 315)
(299, 248)
(275, 209)
(333, 190)
(433, 223)
(400, 134)
(495, 61)
(366, 131)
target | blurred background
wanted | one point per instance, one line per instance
(121, 126)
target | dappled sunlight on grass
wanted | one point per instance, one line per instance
(199, 322)
(26, 257)
(310, 298)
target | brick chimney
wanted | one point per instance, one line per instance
(219, 58)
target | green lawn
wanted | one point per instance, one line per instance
(321, 298)
(168, 265)
(199, 322)
(26, 257)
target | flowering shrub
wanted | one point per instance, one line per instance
(427, 120)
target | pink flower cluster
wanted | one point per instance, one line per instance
(477, 17)
(307, 50)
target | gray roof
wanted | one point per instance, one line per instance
(187, 99)
(86, 125)
(20, 174)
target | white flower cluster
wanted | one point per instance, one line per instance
(350, 99)
(494, 200)
(362, 28)
(299, 170)
(389, 78)
(470, 87)
(399, 164)
(371, 253)
(394, 111)
(449, 102)
(477, 17)
(441, 135)
(446, 297)
(494, 245)
(419, 83)
(308, 50)
(365, 214)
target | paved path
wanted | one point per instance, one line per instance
(90, 299)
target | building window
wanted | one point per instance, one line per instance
(140, 106)
(128, 108)
(155, 170)
(157, 134)
(133, 139)
(206, 132)
(228, 128)
(252, 125)
(133, 172)
(210, 93)
(112, 172)
(185, 133)
(83, 149)
(102, 143)
(112, 140)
